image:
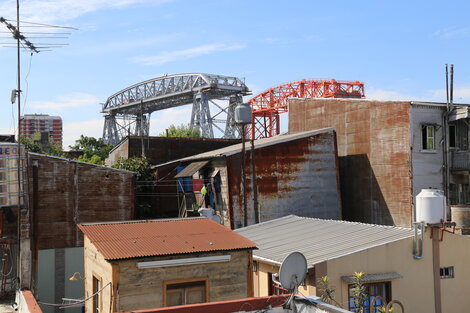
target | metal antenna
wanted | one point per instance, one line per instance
(23, 42)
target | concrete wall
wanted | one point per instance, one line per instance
(374, 154)
(136, 289)
(26, 302)
(296, 177)
(427, 165)
(416, 287)
(121, 151)
(64, 193)
(261, 281)
(96, 266)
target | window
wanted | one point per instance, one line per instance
(428, 137)
(97, 296)
(373, 290)
(447, 272)
(452, 137)
(185, 292)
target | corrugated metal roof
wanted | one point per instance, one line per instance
(260, 143)
(373, 277)
(191, 169)
(319, 240)
(162, 237)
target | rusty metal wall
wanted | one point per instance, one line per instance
(296, 177)
(70, 192)
(164, 149)
(374, 154)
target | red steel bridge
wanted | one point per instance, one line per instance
(269, 104)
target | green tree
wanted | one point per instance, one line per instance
(183, 130)
(55, 149)
(33, 145)
(94, 150)
(30, 145)
(144, 184)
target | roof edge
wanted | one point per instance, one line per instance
(144, 221)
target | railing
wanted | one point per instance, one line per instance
(460, 161)
(278, 290)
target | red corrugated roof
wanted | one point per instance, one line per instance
(162, 237)
(245, 304)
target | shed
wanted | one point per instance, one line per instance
(289, 174)
(149, 264)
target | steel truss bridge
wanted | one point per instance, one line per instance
(128, 111)
(267, 106)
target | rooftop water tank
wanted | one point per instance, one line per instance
(243, 113)
(430, 206)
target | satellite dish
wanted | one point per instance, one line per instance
(293, 271)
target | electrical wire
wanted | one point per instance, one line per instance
(25, 105)
(43, 25)
(11, 266)
(79, 301)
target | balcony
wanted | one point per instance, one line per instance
(460, 161)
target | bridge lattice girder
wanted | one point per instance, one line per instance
(131, 104)
(267, 105)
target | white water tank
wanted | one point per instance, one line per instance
(430, 206)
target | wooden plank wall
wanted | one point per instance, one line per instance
(143, 288)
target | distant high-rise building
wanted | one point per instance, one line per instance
(42, 123)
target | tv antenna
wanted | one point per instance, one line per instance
(20, 41)
(292, 273)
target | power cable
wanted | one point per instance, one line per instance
(27, 85)
(79, 301)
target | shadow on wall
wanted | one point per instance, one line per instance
(361, 197)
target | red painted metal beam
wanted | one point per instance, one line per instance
(270, 103)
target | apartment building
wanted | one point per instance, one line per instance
(389, 150)
(31, 124)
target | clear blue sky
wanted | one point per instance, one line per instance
(397, 48)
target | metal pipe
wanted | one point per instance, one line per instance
(436, 270)
(142, 127)
(418, 240)
(451, 86)
(18, 91)
(447, 87)
(245, 210)
(253, 181)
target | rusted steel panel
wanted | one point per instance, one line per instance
(72, 192)
(295, 177)
(374, 154)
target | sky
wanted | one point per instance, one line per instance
(397, 48)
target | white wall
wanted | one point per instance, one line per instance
(427, 165)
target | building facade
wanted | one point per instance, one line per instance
(389, 150)
(425, 279)
(31, 124)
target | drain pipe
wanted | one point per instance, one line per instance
(436, 269)
(418, 240)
